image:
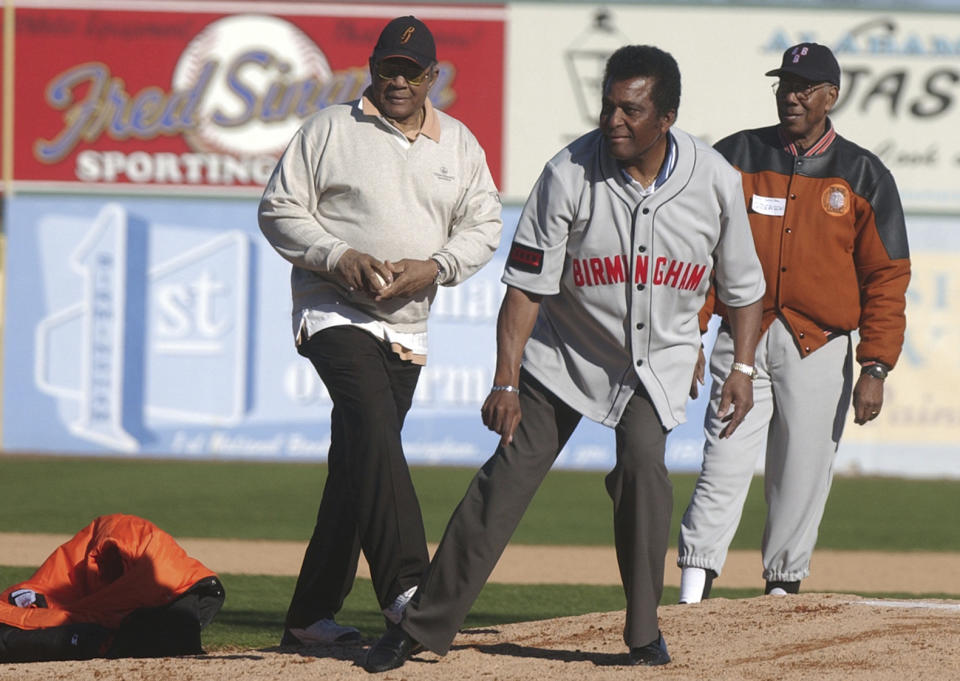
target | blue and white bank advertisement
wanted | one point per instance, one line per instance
(161, 328)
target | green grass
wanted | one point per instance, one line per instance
(278, 501)
(252, 615)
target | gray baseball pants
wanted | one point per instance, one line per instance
(800, 404)
(499, 494)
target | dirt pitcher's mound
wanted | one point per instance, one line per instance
(809, 636)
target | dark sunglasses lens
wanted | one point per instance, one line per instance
(391, 72)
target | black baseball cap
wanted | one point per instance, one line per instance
(810, 61)
(406, 37)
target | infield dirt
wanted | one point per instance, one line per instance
(853, 571)
(811, 636)
(789, 638)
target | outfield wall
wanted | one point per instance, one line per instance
(146, 316)
(227, 84)
(140, 326)
(900, 94)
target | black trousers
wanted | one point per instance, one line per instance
(368, 501)
(497, 498)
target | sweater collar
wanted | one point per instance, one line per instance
(817, 148)
(431, 121)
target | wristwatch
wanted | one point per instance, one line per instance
(876, 369)
(744, 368)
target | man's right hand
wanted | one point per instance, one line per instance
(698, 374)
(362, 271)
(518, 314)
(501, 414)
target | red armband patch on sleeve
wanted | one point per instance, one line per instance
(526, 258)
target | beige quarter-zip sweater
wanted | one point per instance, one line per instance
(349, 179)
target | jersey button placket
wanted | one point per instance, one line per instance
(642, 232)
(641, 249)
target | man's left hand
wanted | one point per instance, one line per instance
(409, 278)
(737, 391)
(867, 399)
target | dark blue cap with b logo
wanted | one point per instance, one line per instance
(810, 61)
(406, 37)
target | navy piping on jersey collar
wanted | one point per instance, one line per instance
(666, 168)
(669, 163)
(820, 146)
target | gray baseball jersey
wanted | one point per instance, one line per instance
(624, 276)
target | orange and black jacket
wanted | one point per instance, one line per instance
(114, 566)
(829, 230)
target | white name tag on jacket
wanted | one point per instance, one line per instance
(767, 205)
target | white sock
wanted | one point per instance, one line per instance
(395, 612)
(692, 581)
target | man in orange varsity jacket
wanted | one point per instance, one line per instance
(829, 230)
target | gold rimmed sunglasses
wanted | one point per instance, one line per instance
(392, 71)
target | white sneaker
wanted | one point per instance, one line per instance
(395, 612)
(777, 591)
(326, 631)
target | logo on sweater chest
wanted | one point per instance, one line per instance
(443, 175)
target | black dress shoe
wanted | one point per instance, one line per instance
(288, 640)
(650, 655)
(708, 583)
(390, 651)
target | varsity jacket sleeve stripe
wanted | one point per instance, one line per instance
(883, 270)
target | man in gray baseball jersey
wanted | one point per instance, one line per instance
(608, 269)
(375, 203)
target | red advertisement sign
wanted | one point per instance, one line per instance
(151, 98)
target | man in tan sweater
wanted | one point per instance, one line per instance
(375, 203)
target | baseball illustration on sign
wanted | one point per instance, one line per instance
(260, 71)
(221, 95)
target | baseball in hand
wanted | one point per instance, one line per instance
(378, 281)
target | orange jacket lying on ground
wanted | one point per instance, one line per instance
(117, 564)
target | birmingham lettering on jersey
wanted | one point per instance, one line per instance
(611, 270)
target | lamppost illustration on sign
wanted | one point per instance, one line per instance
(586, 58)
